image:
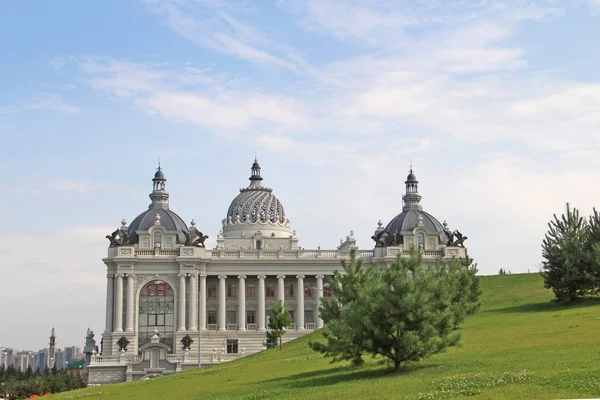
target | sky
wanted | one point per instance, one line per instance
(495, 103)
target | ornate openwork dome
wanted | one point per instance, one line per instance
(255, 209)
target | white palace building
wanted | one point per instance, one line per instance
(165, 289)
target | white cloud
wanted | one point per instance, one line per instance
(63, 280)
(48, 101)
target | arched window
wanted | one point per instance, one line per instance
(250, 291)
(270, 289)
(327, 292)
(156, 310)
(212, 290)
(231, 290)
(308, 290)
(157, 240)
(289, 289)
(421, 241)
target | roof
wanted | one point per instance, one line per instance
(76, 364)
(407, 221)
(168, 219)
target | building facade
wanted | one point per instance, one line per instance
(167, 293)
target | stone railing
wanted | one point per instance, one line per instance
(232, 327)
(130, 251)
(211, 327)
(122, 359)
(309, 326)
(252, 327)
(291, 327)
(325, 254)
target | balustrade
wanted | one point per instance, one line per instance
(211, 327)
(252, 327)
(309, 326)
(232, 327)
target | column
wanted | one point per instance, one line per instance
(130, 302)
(280, 288)
(222, 304)
(181, 302)
(202, 302)
(261, 303)
(242, 303)
(319, 300)
(119, 310)
(300, 304)
(110, 294)
(193, 303)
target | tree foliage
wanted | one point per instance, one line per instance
(406, 312)
(571, 252)
(22, 385)
(279, 320)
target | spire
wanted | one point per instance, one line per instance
(159, 195)
(255, 178)
(411, 198)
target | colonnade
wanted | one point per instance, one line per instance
(120, 284)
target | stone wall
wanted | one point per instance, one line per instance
(102, 375)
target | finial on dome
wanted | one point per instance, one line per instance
(420, 220)
(255, 178)
(123, 223)
(157, 219)
(445, 224)
(193, 223)
(379, 223)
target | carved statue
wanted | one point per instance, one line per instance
(187, 342)
(460, 239)
(188, 238)
(450, 236)
(380, 238)
(118, 238)
(114, 239)
(122, 343)
(200, 239)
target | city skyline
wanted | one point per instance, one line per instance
(494, 103)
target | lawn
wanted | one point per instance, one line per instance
(519, 346)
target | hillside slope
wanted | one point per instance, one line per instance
(519, 346)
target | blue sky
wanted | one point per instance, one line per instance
(495, 102)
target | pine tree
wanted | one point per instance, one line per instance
(565, 269)
(279, 319)
(403, 313)
(344, 335)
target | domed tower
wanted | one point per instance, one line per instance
(168, 229)
(412, 226)
(254, 213)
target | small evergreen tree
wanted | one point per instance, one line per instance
(566, 269)
(403, 313)
(279, 319)
(344, 335)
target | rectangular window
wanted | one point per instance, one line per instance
(250, 292)
(250, 317)
(308, 317)
(160, 320)
(232, 346)
(212, 317)
(270, 290)
(232, 317)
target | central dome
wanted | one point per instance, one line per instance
(256, 209)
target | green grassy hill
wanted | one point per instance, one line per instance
(519, 346)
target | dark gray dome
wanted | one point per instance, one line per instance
(168, 219)
(408, 220)
(159, 175)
